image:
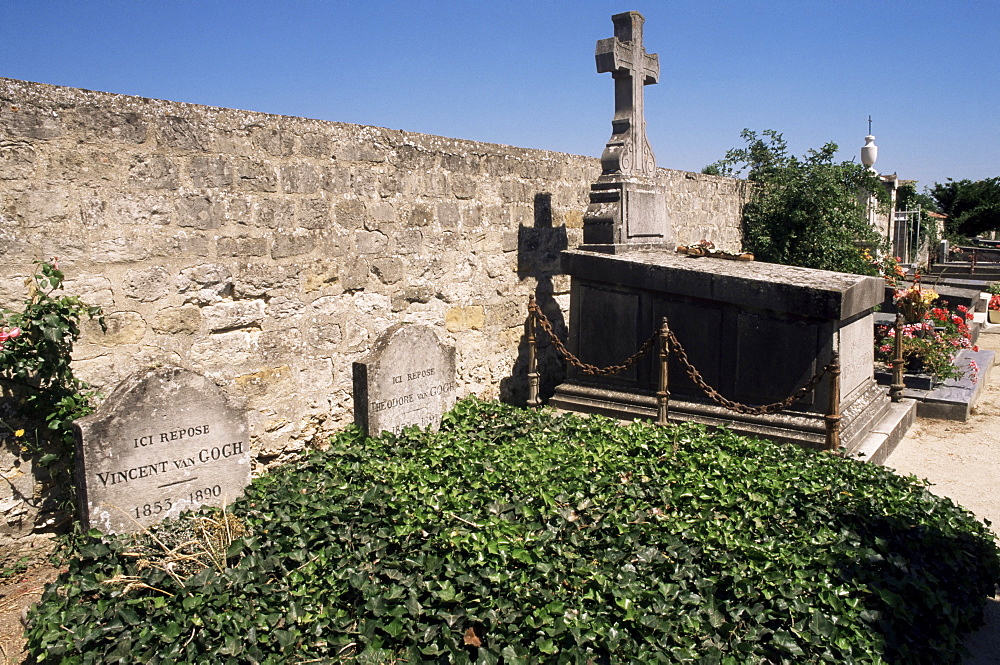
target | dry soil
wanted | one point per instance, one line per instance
(962, 461)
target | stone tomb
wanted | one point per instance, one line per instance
(408, 379)
(756, 331)
(165, 441)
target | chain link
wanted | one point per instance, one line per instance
(714, 395)
(682, 357)
(579, 364)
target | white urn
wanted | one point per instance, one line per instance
(869, 153)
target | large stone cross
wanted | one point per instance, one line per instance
(623, 55)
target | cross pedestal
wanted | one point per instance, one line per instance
(624, 205)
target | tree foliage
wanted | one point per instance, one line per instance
(972, 207)
(808, 211)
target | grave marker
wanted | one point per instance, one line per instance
(408, 379)
(165, 441)
(626, 206)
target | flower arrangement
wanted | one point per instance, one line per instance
(995, 301)
(887, 266)
(914, 303)
(930, 343)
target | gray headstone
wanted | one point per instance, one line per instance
(165, 441)
(408, 379)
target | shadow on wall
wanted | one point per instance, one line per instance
(538, 249)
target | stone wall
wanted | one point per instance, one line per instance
(269, 252)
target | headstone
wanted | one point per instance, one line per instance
(166, 440)
(408, 379)
(625, 205)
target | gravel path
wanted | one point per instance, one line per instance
(962, 461)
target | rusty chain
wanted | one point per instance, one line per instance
(579, 364)
(714, 395)
(682, 357)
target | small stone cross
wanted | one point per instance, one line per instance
(628, 151)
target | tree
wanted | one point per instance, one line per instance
(972, 207)
(808, 212)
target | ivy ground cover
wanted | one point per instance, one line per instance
(516, 536)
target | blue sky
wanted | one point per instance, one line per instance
(522, 72)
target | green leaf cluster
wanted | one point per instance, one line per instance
(809, 212)
(520, 536)
(38, 390)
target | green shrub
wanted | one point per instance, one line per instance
(518, 536)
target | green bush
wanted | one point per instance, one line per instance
(516, 536)
(809, 211)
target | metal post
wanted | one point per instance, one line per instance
(897, 387)
(533, 375)
(663, 394)
(833, 413)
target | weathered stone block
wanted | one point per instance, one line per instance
(354, 275)
(147, 285)
(210, 171)
(300, 179)
(389, 269)
(313, 214)
(241, 246)
(273, 141)
(420, 216)
(457, 319)
(177, 132)
(448, 214)
(232, 315)
(273, 214)
(463, 186)
(315, 144)
(351, 214)
(226, 349)
(256, 176)
(184, 320)
(407, 241)
(286, 246)
(123, 328)
(17, 160)
(31, 123)
(256, 280)
(370, 242)
(38, 207)
(99, 124)
(206, 283)
(199, 212)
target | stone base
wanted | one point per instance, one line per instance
(887, 434)
(865, 412)
(955, 398)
